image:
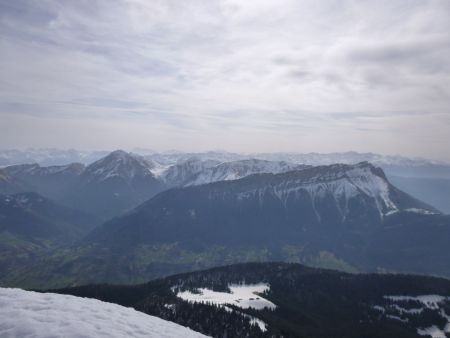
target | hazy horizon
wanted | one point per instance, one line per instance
(246, 77)
(144, 151)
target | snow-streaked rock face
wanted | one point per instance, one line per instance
(196, 171)
(32, 314)
(341, 183)
(181, 174)
(239, 169)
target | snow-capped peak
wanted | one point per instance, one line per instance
(119, 164)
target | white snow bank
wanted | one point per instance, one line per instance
(33, 314)
(243, 296)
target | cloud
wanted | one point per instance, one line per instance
(207, 71)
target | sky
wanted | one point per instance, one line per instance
(242, 76)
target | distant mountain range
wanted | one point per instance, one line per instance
(425, 179)
(348, 217)
(289, 300)
(121, 181)
(48, 157)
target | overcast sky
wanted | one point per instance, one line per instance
(262, 75)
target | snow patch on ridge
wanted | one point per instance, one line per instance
(241, 295)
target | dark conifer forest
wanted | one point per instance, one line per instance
(310, 302)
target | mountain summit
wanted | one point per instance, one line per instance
(118, 164)
(114, 184)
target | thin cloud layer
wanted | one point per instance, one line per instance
(262, 75)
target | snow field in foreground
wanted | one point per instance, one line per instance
(33, 314)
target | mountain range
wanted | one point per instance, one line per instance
(427, 180)
(51, 157)
(348, 217)
(121, 181)
(48, 156)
